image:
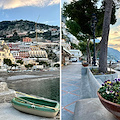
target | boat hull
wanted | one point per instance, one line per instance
(35, 106)
(34, 111)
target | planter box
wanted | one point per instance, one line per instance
(110, 77)
(110, 106)
(85, 65)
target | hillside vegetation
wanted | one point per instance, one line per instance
(20, 26)
(7, 27)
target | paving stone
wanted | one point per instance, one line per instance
(68, 99)
(71, 107)
(77, 92)
(71, 76)
(66, 115)
(70, 88)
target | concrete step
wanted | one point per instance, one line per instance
(91, 109)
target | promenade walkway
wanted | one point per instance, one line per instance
(74, 91)
(71, 76)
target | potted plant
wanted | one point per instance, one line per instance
(84, 63)
(109, 95)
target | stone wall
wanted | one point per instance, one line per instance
(103, 78)
(91, 83)
(94, 83)
(6, 95)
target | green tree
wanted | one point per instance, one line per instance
(44, 63)
(73, 27)
(20, 61)
(7, 61)
(14, 65)
(30, 66)
(81, 12)
(52, 56)
(27, 67)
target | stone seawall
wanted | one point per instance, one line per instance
(43, 87)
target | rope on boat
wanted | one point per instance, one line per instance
(36, 104)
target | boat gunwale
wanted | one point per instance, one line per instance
(15, 102)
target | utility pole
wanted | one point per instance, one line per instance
(36, 28)
(94, 21)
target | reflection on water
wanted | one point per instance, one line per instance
(44, 88)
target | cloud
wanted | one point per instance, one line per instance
(114, 44)
(114, 34)
(9, 4)
(54, 2)
(48, 22)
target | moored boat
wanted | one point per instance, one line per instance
(36, 106)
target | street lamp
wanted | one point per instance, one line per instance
(94, 21)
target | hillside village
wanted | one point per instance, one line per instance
(69, 54)
(26, 45)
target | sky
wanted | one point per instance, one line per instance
(48, 10)
(114, 35)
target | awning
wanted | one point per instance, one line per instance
(66, 51)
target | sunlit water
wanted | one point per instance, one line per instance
(44, 88)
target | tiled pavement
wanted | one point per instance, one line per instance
(71, 76)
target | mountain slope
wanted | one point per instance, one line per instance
(7, 27)
(113, 54)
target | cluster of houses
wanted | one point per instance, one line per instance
(68, 53)
(52, 30)
(28, 51)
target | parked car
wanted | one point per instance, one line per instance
(73, 59)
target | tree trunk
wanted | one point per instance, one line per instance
(88, 52)
(105, 34)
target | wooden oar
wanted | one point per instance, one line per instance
(36, 104)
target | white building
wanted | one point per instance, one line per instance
(65, 44)
(76, 54)
(72, 38)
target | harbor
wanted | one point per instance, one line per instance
(43, 85)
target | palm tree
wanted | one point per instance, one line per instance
(105, 34)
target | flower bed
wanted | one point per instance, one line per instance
(111, 90)
(109, 95)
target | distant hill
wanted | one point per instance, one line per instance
(7, 27)
(113, 54)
